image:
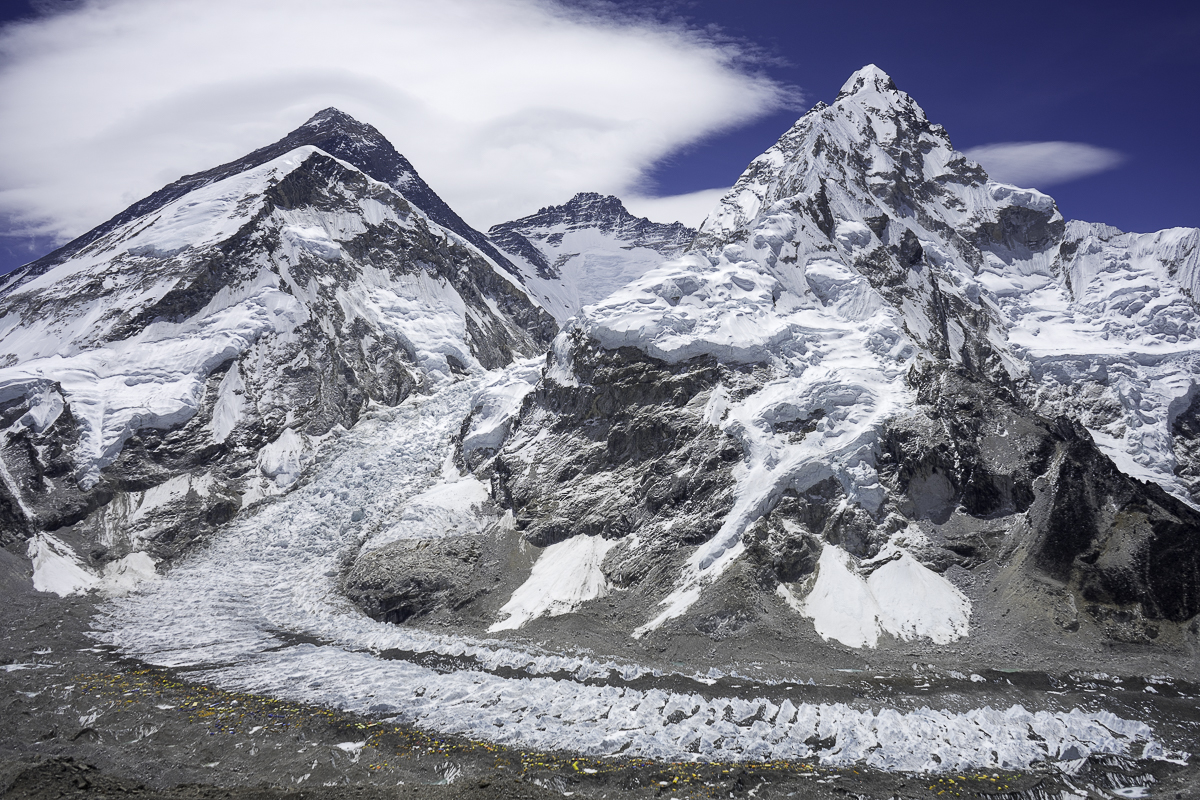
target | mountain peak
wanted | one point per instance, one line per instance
(329, 124)
(591, 208)
(590, 197)
(327, 115)
(595, 204)
(582, 250)
(330, 130)
(869, 78)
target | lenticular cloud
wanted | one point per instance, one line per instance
(1041, 164)
(503, 105)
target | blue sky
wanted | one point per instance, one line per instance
(508, 105)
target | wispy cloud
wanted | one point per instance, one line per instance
(1042, 164)
(690, 209)
(503, 105)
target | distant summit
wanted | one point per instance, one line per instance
(607, 213)
(580, 251)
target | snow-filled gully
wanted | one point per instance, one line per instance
(242, 613)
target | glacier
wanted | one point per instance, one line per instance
(229, 616)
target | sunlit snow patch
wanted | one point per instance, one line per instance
(447, 508)
(57, 569)
(840, 604)
(565, 576)
(902, 597)
(916, 602)
(282, 460)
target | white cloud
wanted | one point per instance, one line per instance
(690, 209)
(1042, 164)
(504, 106)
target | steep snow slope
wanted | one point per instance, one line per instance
(1110, 338)
(573, 255)
(168, 369)
(1049, 302)
(873, 347)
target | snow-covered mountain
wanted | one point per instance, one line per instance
(187, 357)
(872, 374)
(883, 394)
(573, 255)
(331, 131)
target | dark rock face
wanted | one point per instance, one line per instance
(1118, 542)
(785, 543)
(411, 579)
(35, 456)
(624, 453)
(1122, 542)
(975, 448)
(1186, 444)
